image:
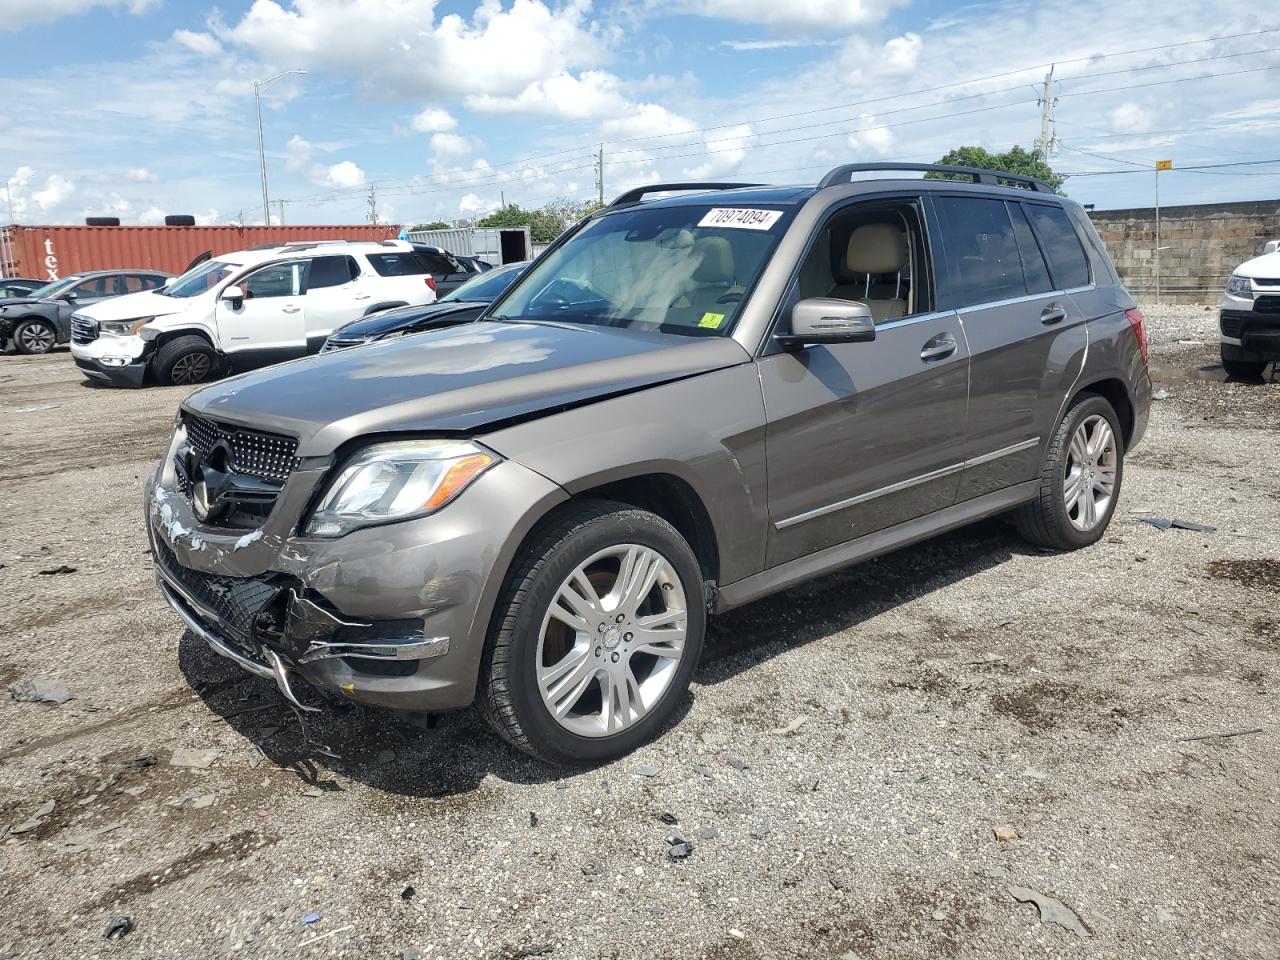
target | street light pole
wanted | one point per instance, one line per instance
(258, 87)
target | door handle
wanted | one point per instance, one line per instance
(1052, 314)
(362, 296)
(939, 348)
(290, 309)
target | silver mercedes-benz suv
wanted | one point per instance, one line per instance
(685, 404)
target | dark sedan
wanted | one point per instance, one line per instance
(463, 305)
(35, 323)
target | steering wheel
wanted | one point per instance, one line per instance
(733, 296)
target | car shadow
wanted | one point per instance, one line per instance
(452, 754)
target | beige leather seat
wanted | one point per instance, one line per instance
(876, 252)
(713, 277)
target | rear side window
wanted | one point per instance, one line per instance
(1061, 245)
(1033, 266)
(399, 264)
(331, 272)
(435, 264)
(981, 250)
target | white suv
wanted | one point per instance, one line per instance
(245, 310)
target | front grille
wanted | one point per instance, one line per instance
(83, 330)
(333, 344)
(234, 601)
(1230, 325)
(1266, 305)
(1266, 281)
(267, 456)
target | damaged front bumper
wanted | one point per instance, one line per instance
(392, 616)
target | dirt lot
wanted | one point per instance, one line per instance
(964, 685)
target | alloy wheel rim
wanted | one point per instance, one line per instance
(190, 369)
(612, 640)
(37, 338)
(1090, 480)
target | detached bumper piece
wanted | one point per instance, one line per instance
(267, 627)
(120, 374)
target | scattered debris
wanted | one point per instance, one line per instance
(709, 833)
(1156, 522)
(1221, 736)
(760, 832)
(647, 770)
(678, 848)
(37, 817)
(85, 839)
(118, 928)
(533, 950)
(791, 727)
(736, 763)
(410, 953)
(911, 830)
(141, 763)
(1161, 524)
(1161, 394)
(38, 407)
(313, 792)
(197, 798)
(407, 893)
(385, 757)
(193, 759)
(983, 660)
(41, 691)
(939, 915)
(59, 569)
(533, 819)
(594, 870)
(703, 770)
(995, 873)
(1006, 832)
(737, 934)
(309, 919)
(1051, 910)
(325, 936)
(669, 819)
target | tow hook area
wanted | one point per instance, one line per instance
(281, 673)
(310, 630)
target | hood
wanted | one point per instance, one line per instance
(388, 321)
(1266, 266)
(23, 301)
(148, 303)
(456, 379)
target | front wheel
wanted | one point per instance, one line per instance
(34, 337)
(1079, 479)
(184, 362)
(595, 636)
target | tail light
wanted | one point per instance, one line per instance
(1139, 324)
(431, 282)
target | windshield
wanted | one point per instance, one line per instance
(487, 286)
(199, 279)
(682, 269)
(53, 289)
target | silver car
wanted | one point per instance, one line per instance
(685, 404)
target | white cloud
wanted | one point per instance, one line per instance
(344, 175)
(726, 149)
(205, 44)
(827, 14)
(452, 145)
(399, 46)
(57, 188)
(151, 217)
(297, 153)
(774, 44)
(472, 205)
(1130, 117)
(901, 54)
(433, 120)
(645, 120)
(869, 137)
(23, 13)
(140, 175)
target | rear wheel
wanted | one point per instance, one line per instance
(595, 637)
(1079, 479)
(34, 337)
(184, 361)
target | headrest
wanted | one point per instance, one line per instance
(876, 248)
(716, 263)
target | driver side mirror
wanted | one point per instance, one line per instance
(68, 296)
(234, 295)
(826, 320)
(167, 282)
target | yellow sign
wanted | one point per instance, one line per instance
(711, 320)
(1164, 164)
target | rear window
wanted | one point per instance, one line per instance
(1061, 245)
(331, 272)
(398, 264)
(1033, 265)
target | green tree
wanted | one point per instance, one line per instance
(512, 215)
(1015, 160)
(433, 225)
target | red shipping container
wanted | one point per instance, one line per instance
(50, 253)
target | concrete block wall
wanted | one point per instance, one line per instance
(1200, 245)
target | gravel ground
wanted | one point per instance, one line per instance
(842, 768)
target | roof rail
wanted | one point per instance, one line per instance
(844, 172)
(637, 194)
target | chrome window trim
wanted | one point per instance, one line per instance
(908, 483)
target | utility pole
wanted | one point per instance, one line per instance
(1160, 165)
(373, 205)
(1047, 145)
(258, 87)
(280, 204)
(600, 175)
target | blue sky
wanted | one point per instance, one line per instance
(138, 108)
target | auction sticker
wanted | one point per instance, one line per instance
(740, 218)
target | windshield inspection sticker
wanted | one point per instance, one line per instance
(740, 218)
(711, 321)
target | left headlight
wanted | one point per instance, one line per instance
(1239, 286)
(396, 481)
(123, 328)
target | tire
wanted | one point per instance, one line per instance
(1242, 369)
(34, 337)
(179, 362)
(528, 642)
(1048, 520)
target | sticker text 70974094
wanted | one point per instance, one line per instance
(740, 218)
